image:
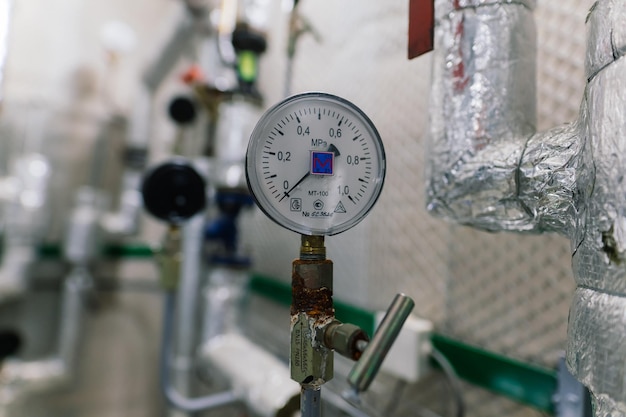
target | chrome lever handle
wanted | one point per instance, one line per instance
(366, 368)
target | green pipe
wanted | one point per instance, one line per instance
(517, 380)
(126, 250)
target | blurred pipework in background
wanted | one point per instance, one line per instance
(141, 276)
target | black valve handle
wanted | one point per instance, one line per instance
(174, 191)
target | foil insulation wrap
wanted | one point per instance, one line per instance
(490, 169)
(596, 348)
(482, 114)
(445, 7)
(554, 179)
(597, 328)
(606, 35)
(599, 259)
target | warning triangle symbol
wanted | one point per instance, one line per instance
(340, 208)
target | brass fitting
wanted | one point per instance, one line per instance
(312, 247)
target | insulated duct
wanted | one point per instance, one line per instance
(490, 169)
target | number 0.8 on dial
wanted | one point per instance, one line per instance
(315, 164)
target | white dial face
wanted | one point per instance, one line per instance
(315, 164)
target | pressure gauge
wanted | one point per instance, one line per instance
(315, 164)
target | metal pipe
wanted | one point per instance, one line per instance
(173, 397)
(72, 313)
(261, 380)
(226, 27)
(125, 220)
(179, 43)
(311, 401)
(16, 261)
(346, 404)
(25, 221)
(186, 337)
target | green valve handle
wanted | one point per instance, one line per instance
(364, 371)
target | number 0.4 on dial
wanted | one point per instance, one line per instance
(315, 164)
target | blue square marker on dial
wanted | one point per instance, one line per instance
(322, 163)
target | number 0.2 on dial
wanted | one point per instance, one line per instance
(315, 164)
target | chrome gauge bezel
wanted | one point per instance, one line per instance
(278, 116)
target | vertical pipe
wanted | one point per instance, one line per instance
(187, 303)
(223, 298)
(311, 401)
(482, 113)
(176, 46)
(174, 398)
(72, 313)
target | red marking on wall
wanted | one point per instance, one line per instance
(421, 27)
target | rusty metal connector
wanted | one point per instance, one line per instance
(312, 247)
(169, 258)
(343, 338)
(311, 309)
(312, 288)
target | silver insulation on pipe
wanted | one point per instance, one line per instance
(596, 350)
(483, 112)
(490, 169)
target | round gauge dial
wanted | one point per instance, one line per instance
(315, 164)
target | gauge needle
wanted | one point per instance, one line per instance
(332, 148)
(286, 194)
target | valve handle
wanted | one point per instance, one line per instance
(174, 191)
(366, 368)
(182, 111)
